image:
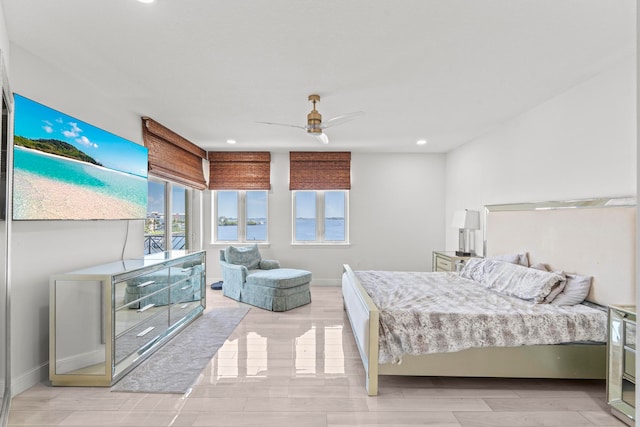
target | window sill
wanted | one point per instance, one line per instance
(225, 244)
(321, 244)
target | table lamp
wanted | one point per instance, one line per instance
(466, 222)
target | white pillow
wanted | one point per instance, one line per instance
(575, 290)
(521, 258)
(512, 279)
(555, 291)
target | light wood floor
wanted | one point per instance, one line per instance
(301, 368)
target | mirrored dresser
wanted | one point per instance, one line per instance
(621, 361)
(106, 319)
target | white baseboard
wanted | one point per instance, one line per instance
(29, 379)
(326, 282)
(314, 282)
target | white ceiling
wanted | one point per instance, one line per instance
(445, 70)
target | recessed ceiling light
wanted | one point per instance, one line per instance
(421, 142)
(146, 1)
(231, 141)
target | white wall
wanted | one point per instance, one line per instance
(4, 39)
(396, 218)
(580, 144)
(41, 248)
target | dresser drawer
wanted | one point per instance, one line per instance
(630, 333)
(630, 363)
(141, 330)
(629, 393)
(444, 264)
(629, 346)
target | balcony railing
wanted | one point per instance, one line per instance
(155, 242)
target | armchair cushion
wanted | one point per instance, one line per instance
(279, 278)
(248, 256)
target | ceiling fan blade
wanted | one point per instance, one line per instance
(283, 124)
(322, 137)
(341, 119)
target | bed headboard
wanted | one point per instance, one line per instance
(592, 237)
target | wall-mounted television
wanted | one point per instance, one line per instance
(66, 169)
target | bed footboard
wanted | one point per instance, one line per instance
(364, 318)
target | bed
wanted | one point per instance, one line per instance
(594, 237)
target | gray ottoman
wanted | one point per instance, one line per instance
(280, 289)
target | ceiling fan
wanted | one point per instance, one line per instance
(315, 127)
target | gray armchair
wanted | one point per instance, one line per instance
(236, 270)
(249, 278)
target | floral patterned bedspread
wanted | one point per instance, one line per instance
(423, 313)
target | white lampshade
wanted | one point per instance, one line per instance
(469, 220)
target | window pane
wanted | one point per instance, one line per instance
(227, 210)
(334, 203)
(178, 217)
(154, 225)
(305, 215)
(256, 215)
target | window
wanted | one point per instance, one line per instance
(179, 224)
(321, 217)
(162, 230)
(240, 216)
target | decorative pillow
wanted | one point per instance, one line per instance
(249, 256)
(512, 279)
(575, 291)
(521, 258)
(269, 264)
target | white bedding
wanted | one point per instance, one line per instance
(422, 313)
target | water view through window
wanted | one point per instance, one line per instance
(228, 215)
(306, 216)
(333, 220)
(254, 214)
(241, 216)
(334, 209)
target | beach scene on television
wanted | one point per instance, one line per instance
(66, 169)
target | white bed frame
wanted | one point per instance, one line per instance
(592, 237)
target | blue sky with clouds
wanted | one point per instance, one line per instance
(36, 121)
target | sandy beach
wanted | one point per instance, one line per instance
(40, 198)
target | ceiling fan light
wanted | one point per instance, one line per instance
(322, 137)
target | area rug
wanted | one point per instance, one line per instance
(175, 367)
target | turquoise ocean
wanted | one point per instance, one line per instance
(121, 185)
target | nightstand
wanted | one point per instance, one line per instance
(621, 362)
(446, 261)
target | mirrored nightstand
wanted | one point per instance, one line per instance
(621, 362)
(447, 261)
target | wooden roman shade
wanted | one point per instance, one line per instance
(244, 170)
(172, 157)
(319, 170)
